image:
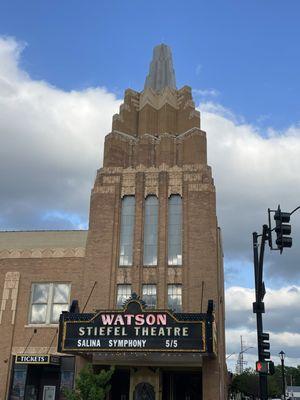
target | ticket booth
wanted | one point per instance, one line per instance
(41, 377)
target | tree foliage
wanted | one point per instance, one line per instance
(91, 385)
(247, 383)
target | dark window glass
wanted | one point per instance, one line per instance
(17, 391)
(67, 366)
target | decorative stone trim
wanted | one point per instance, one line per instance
(197, 175)
(175, 183)
(158, 99)
(43, 253)
(10, 291)
(151, 183)
(163, 167)
(111, 179)
(128, 184)
(124, 136)
(190, 132)
(194, 113)
(192, 177)
(103, 189)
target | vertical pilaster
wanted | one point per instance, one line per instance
(162, 240)
(7, 326)
(137, 271)
(211, 379)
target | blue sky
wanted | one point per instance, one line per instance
(64, 66)
(246, 50)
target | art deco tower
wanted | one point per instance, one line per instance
(153, 226)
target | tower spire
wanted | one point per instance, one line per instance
(161, 73)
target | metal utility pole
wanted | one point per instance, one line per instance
(240, 361)
(259, 309)
(282, 230)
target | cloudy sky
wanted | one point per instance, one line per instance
(63, 71)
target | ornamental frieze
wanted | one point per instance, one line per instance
(43, 253)
(103, 189)
(111, 179)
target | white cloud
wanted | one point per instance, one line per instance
(281, 320)
(252, 173)
(206, 92)
(51, 144)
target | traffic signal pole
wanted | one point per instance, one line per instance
(258, 306)
(283, 230)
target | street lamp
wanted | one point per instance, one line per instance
(282, 357)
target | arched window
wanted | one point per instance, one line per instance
(150, 230)
(127, 230)
(175, 230)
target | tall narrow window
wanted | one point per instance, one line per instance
(123, 293)
(127, 230)
(150, 230)
(175, 297)
(149, 295)
(175, 230)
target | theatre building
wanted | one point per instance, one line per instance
(143, 288)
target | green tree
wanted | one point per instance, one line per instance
(292, 375)
(91, 385)
(246, 383)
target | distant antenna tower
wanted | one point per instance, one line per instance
(239, 369)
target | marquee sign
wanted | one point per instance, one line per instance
(37, 359)
(133, 329)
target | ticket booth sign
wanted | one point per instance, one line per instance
(37, 359)
(133, 329)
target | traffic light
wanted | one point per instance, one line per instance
(263, 345)
(265, 367)
(282, 229)
(271, 368)
(262, 366)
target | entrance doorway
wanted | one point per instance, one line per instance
(120, 384)
(42, 382)
(182, 385)
(144, 391)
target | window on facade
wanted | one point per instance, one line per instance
(150, 230)
(175, 297)
(149, 295)
(123, 294)
(175, 230)
(127, 230)
(48, 300)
